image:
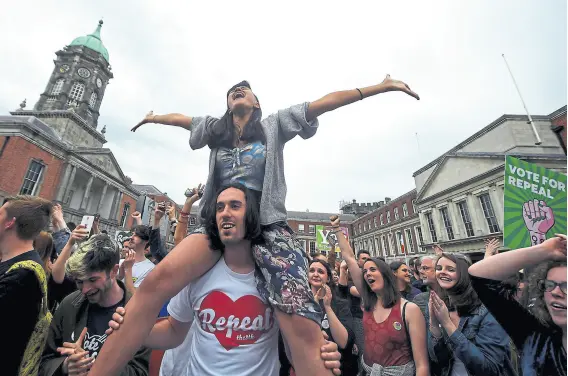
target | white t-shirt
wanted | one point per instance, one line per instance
(175, 361)
(140, 270)
(235, 330)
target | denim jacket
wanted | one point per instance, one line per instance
(479, 342)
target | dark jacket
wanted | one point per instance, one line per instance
(71, 317)
(479, 342)
(157, 248)
(421, 300)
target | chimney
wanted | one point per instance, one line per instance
(381, 204)
(354, 201)
(387, 200)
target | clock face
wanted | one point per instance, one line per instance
(84, 72)
(64, 68)
(99, 83)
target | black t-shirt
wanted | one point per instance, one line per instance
(97, 324)
(20, 304)
(341, 308)
(356, 311)
(541, 347)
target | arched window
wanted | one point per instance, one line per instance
(77, 91)
(93, 100)
(57, 87)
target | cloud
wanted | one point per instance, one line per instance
(182, 57)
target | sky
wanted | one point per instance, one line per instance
(182, 56)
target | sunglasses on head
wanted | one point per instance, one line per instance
(549, 286)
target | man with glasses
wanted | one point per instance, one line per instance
(428, 276)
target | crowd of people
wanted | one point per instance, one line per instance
(242, 297)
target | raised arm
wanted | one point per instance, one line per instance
(503, 265)
(58, 268)
(338, 99)
(193, 196)
(176, 120)
(347, 254)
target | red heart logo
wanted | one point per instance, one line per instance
(235, 323)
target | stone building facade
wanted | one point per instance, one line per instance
(55, 150)
(392, 230)
(460, 194)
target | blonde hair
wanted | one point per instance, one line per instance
(99, 253)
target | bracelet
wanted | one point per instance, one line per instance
(360, 93)
(184, 213)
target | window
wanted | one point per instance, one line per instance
(389, 217)
(312, 229)
(447, 223)
(67, 199)
(385, 246)
(57, 86)
(32, 178)
(420, 238)
(50, 100)
(312, 247)
(192, 221)
(489, 212)
(124, 216)
(77, 92)
(400, 242)
(414, 206)
(303, 243)
(381, 219)
(395, 214)
(409, 240)
(431, 227)
(93, 100)
(393, 249)
(301, 228)
(404, 210)
(375, 221)
(369, 223)
(364, 226)
(462, 206)
(377, 248)
(360, 231)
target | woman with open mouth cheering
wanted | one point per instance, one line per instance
(464, 338)
(248, 150)
(395, 330)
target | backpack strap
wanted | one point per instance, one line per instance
(405, 325)
(40, 275)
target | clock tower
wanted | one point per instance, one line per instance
(79, 80)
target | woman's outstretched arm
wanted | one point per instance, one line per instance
(506, 264)
(338, 99)
(176, 120)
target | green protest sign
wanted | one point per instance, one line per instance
(535, 204)
(324, 238)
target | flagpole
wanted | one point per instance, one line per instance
(531, 122)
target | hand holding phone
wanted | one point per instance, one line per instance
(88, 221)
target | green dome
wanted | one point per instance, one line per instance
(93, 41)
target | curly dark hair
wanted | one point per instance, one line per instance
(253, 230)
(462, 297)
(536, 295)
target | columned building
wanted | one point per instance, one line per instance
(460, 194)
(56, 151)
(392, 230)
